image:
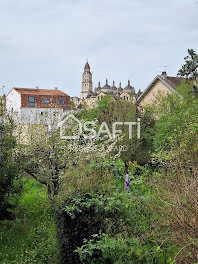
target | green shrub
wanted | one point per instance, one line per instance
(81, 216)
(120, 250)
(31, 237)
(10, 180)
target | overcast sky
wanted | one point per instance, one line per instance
(46, 43)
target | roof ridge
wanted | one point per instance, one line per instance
(36, 89)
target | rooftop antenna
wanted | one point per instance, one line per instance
(164, 67)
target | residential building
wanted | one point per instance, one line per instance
(160, 86)
(29, 105)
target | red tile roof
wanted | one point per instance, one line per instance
(33, 91)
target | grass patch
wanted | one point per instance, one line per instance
(31, 237)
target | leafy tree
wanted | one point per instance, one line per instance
(176, 156)
(10, 170)
(48, 158)
(45, 158)
(190, 68)
(95, 113)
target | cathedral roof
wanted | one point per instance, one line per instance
(87, 67)
(120, 87)
(99, 87)
(129, 88)
(106, 86)
(113, 87)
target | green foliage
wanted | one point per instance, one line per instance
(31, 237)
(140, 149)
(175, 156)
(185, 89)
(78, 218)
(111, 227)
(117, 250)
(2, 105)
(190, 68)
(176, 118)
(95, 113)
(127, 237)
(116, 167)
(10, 171)
(96, 220)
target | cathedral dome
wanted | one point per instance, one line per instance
(113, 88)
(120, 89)
(129, 88)
(98, 89)
(106, 87)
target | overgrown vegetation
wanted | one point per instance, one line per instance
(10, 180)
(74, 209)
(31, 237)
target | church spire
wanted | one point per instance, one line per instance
(87, 83)
(87, 67)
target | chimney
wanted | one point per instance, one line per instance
(37, 87)
(164, 75)
(55, 88)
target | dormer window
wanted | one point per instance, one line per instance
(61, 101)
(45, 101)
(31, 100)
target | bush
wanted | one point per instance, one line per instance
(81, 216)
(176, 153)
(31, 237)
(10, 180)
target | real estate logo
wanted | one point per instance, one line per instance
(88, 129)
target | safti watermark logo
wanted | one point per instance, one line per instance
(88, 129)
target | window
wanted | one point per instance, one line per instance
(31, 100)
(45, 101)
(124, 97)
(42, 113)
(61, 101)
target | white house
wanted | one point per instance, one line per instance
(36, 105)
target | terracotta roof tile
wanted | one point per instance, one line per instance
(33, 91)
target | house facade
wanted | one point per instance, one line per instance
(33, 105)
(160, 86)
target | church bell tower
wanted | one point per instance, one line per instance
(87, 84)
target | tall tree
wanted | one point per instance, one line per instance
(190, 68)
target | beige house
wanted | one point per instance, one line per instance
(160, 86)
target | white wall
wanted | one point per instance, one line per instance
(13, 101)
(41, 115)
(32, 115)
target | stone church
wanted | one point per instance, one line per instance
(91, 97)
